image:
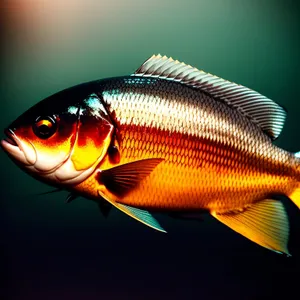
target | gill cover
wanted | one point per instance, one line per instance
(63, 137)
(93, 136)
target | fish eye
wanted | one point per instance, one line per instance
(44, 127)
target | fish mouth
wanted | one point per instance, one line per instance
(12, 146)
(10, 141)
(10, 137)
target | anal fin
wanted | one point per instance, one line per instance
(140, 215)
(104, 207)
(265, 223)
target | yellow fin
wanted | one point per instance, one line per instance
(295, 197)
(265, 223)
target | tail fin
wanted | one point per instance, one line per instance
(295, 195)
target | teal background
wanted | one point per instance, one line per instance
(53, 250)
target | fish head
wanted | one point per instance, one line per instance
(61, 139)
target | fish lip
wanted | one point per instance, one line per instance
(13, 148)
(10, 137)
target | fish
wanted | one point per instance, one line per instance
(169, 138)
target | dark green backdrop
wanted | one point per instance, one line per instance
(51, 250)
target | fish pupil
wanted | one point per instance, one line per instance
(44, 129)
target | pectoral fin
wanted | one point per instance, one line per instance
(141, 215)
(122, 179)
(265, 223)
(71, 197)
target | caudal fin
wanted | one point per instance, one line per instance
(295, 196)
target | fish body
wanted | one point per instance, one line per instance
(214, 157)
(168, 138)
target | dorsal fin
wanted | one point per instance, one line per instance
(264, 112)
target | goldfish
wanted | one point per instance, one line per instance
(169, 138)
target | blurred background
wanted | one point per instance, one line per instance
(53, 250)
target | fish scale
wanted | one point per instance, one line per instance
(227, 161)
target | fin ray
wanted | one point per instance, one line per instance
(140, 215)
(122, 179)
(264, 112)
(265, 223)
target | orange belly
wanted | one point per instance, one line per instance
(195, 175)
